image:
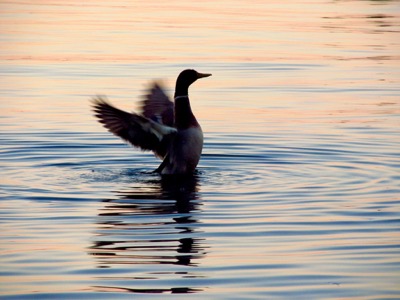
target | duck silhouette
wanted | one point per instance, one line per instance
(168, 129)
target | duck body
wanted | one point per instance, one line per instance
(184, 153)
(168, 129)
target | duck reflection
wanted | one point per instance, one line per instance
(153, 222)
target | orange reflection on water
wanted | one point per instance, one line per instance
(130, 31)
(299, 116)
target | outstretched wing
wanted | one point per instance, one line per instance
(139, 131)
(157, 106)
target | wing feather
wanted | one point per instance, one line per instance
(157, 106)
(139, 131)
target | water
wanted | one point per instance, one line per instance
(297, 192)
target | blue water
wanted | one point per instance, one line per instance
(297, 192)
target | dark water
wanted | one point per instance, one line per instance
(297, 192)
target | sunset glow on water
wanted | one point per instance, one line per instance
(297, 192)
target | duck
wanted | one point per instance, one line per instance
(167, 128)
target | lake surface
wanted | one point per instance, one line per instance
(297, 195)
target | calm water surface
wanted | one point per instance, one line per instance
(297, 195)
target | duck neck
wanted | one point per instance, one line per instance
(184, 117)
(181, 89)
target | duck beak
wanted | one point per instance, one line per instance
(201, 75)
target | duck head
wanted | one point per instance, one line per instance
(185, 79)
